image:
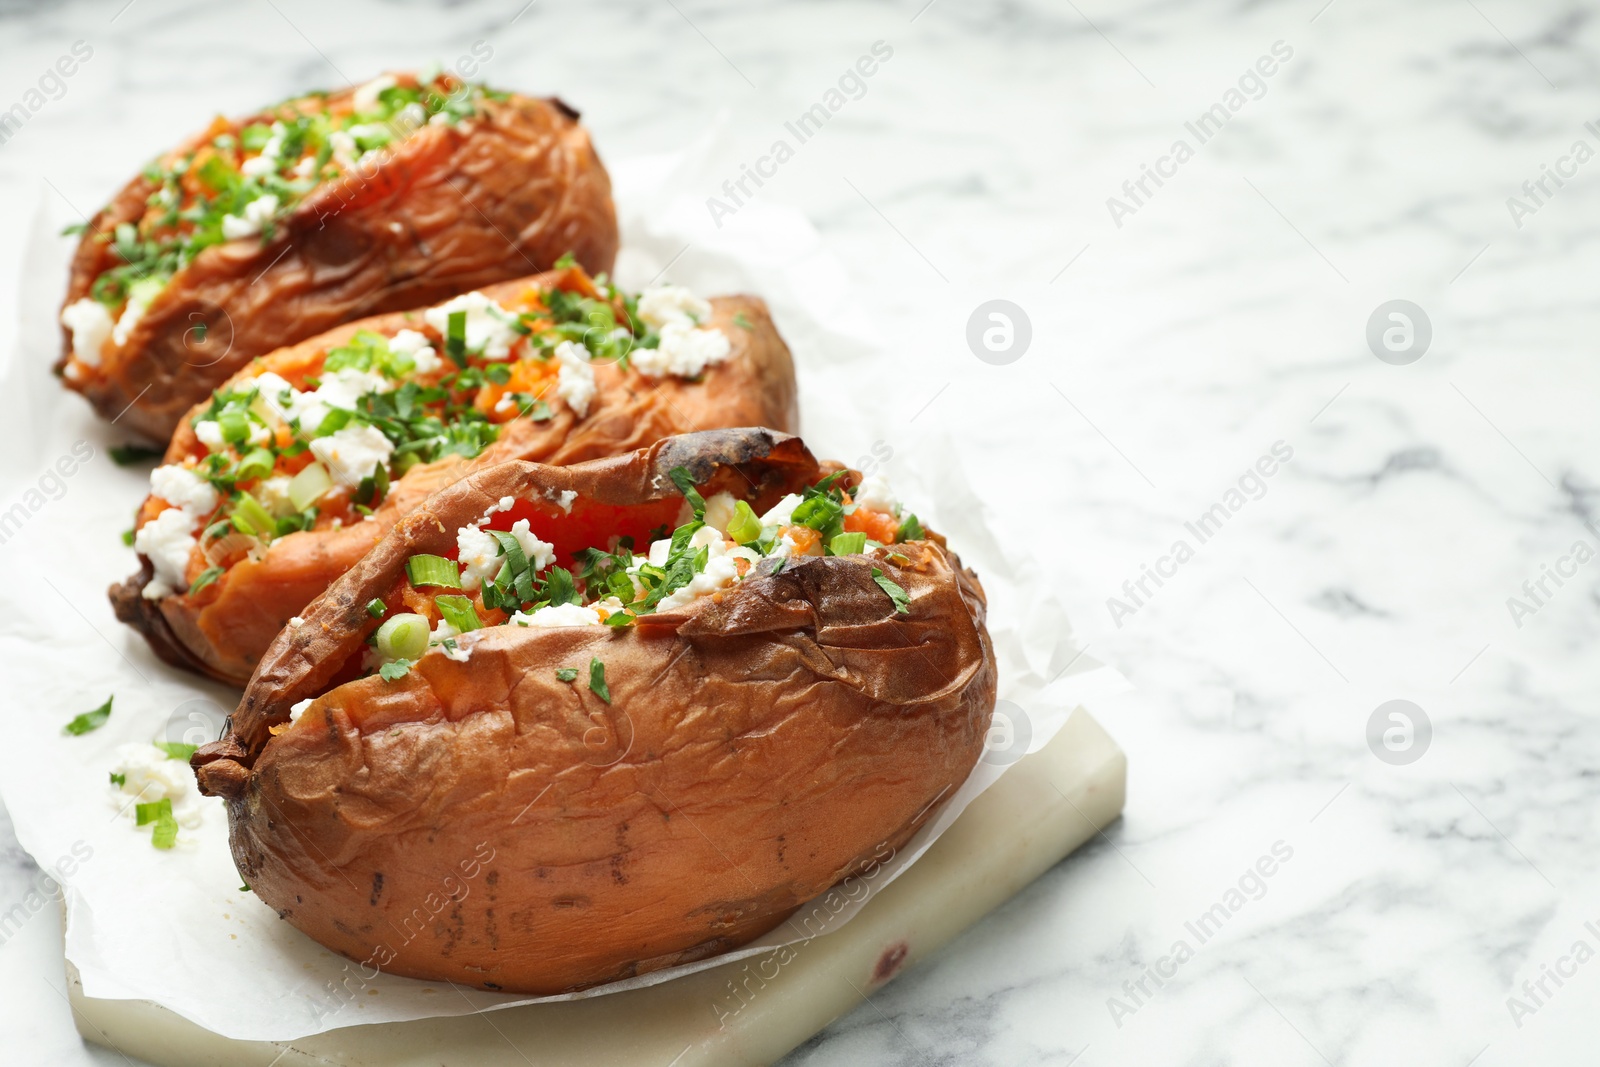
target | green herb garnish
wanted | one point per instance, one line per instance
(90, 720)
(902, 602)
(566, 674)
(597, 680)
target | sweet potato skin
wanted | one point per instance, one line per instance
(223, 631)
(486, 823)
(450, 209)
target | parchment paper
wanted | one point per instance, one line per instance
(175, 927)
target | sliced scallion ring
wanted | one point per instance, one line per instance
(308, 486)
(424, 569)
(403, 637)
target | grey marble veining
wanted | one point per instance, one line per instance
(1225, 314)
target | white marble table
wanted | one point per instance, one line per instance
(1177, 337)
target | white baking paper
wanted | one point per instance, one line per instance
(175, 927)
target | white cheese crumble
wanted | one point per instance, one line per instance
(209, 431)
(722, 568)
(350, 454)
(720, 509)
(479, 552)
(558, 615)
(140, 294)
(873, 494)
(575, 380)
(300, 709)
(666, 304)
(564, 499)
(296, 622)
(183, 488)
(365, 99)
(166, 541)
(341, 389)
(257, 213)
(684, 351)
(90, 323)
(782, 511)
(488, 325)
(150, 775)
(416, 345)
(273, 493)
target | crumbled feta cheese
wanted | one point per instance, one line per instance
(409, 118)
(183, 488)
(365, 99)
(564, 500)
(785, 547)
(344, 388)
(442, 632)
(558, 615)
(296, 622)
(300, 709)
(666, 304)
(488, 325)
(873, 494)
(306, 167)
(782, 511)
(344, 148)
(273, 493)
(416, 345)
(575, 380)
(505, 503)
(209, 431)
(350, 454)
(150, 775)
(479, 552)
(257, 213)
(167, 542)
(90, 324)
(684, 351)
(720, 511)
(455, 650)
(722, 570)
(140, 295)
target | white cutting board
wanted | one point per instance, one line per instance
(748, 1013)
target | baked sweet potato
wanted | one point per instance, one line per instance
(263, 231)
(255, 510)
(586, 765)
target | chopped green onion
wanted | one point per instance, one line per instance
(394, 671)
(455, 337)
(251, 517)
(403, 637)
(685, 482)
(566, 674)
(176, 749)
(374, 486)
(127, 537)
(567, 260)
(90, 720)
(257, 463)
(597, 680)
(306, 487)
(207, 576)
(902, 602)
(742, 322)
(910, 530)
(145, 814)
(848, 544)
(376, 608)
(745, 527)
(458, 612)
(118, 779)
(235, 426)
(424, 569)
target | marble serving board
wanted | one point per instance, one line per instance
(750, 1012)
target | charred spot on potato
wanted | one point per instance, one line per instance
(377, 887)
(893, 958)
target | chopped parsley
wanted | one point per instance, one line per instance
(902, 602)
(90, 721)
(566, 674)
(597, 680)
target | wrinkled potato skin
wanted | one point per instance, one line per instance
(223, 630)
(450, 209)
(488, 824)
